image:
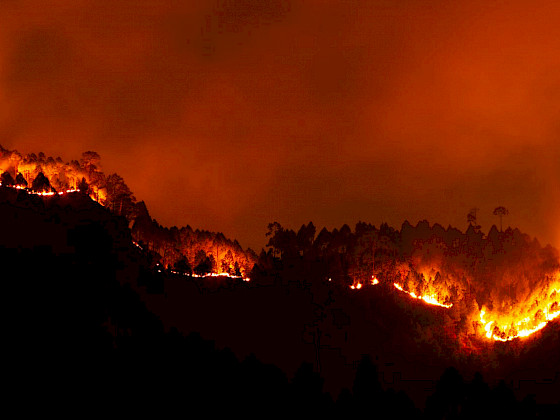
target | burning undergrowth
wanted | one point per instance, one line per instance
(501, 286)
(486, 288)
(495, 287)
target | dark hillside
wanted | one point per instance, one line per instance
(83, 325)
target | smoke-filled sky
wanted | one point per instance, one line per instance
(230, 114)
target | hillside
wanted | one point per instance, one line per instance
(416, 300)
(81, 290)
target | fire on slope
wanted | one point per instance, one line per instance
(523, 319)
(514, 318)
(357, 285)
(42, 193)
(430, 299)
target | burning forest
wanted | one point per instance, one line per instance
(501, 286)
(182, 250)
(458, 293)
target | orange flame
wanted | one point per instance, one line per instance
(507, 328)
(432, 300)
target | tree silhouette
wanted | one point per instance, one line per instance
(83, 186)
(41, 183)
(90, 161)
(471, 216)
(119, 196)
(20, 180)
(501, 212)
(183, 266)
(7, 179)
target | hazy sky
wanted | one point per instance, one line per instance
(227, 115)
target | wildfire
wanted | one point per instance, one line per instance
(41, 193)
(227, 275)
(432, 300)
(358, 285)
(506, 321)
(507, 328)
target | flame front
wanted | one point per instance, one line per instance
(430, 299)
(509, 327)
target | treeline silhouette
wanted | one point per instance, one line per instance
(79, 338)
(354, 255)
(470, 270)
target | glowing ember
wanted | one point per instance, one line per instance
(428, 299)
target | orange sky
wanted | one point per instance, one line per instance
(233, 114)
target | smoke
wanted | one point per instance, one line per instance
(245, 112)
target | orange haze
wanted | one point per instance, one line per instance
(233, 114)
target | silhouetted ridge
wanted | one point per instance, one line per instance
(79, 299)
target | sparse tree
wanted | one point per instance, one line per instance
(471, 219)
(501, 212)
(471, 216)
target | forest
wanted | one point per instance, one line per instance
(115, 265)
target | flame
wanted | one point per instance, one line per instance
(507, 328)
(230, 276)
(432, 300)
(92, 196)
(41, 193)
(518, 320)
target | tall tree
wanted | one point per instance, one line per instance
(119, 196)
(501, 212)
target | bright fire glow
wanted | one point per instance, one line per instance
(499, 325)
(227, 275)
(41, 193)
(432, 300)
(507, 328)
